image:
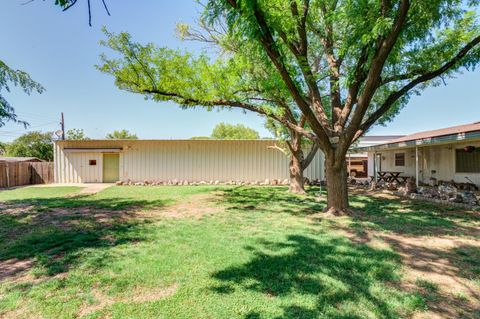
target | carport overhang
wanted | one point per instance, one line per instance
(431, 141)
(463, 137)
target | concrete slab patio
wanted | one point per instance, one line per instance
(87, 188)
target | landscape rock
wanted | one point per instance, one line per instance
(119, 183)
(432, 181)
(286, 181)
(410, 186)
(468, 197)
(267, 182)
(447, 192)
(429, 192)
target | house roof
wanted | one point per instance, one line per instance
(19, 159)
(440, 132)
(459, 133)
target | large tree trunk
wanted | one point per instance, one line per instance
(297, 181)
(337, 188)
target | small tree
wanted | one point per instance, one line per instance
(76, 134)
(32, 144)
(121, 135)
(3, 148)
(223, 131)
(18, 78)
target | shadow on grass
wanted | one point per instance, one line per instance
(51, 234)
(343, 279)
(272, 199)
(413, 217)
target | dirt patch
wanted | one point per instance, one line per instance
(142, 295)
(371, 193)
(13, 267)
(139, 295)
(434, 261)
(196, 206)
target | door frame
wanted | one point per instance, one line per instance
(103, 166)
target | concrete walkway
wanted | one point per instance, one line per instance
(87, 188)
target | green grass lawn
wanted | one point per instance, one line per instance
(261, 253)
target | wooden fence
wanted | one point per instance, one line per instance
(18, 174)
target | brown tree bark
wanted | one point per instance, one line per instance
(297, 180)
(298, 162)
(337, 187)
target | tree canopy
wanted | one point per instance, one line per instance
(8, 77)
(338, 66)
(76, 134)
(32, 144)
(121, 135)
(224, 131)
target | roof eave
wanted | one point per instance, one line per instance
(437, 140)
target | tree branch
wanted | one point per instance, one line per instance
(236, 104)
(393, 97)
(268, 43)
(310, 156)
(371, 82)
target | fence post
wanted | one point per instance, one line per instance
(7, 171)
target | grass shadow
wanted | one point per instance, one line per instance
(413, 217)
(272, 199)
(345, 280)
(53, 233)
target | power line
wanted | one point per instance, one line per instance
(28, 129)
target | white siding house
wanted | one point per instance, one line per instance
(447, 154)
(97, 161)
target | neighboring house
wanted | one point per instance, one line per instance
(97, 161)
(19, 159)
(357, 163)
(446, 154)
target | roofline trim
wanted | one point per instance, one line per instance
(458, 137)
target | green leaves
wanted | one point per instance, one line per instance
(225, 131)
(121, 135)
(164, 74)
(18, 78)
(32, 144)
(346, 64)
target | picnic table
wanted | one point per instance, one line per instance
(391, 176)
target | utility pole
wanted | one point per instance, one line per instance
(62, 123)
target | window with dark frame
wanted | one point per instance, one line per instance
(467, 161)
(92, 162)
(399, 159)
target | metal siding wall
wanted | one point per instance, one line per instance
(193, 161)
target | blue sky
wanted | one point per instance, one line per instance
(59, 50)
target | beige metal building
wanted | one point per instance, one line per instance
(446, 154)
(97, 161)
